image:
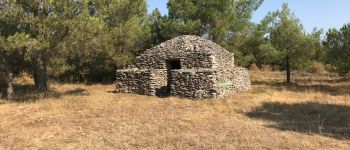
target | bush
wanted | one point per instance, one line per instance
(318, 68)
(267, 68)
(23, 79)
(254, 67)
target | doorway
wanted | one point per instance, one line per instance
(174, 64)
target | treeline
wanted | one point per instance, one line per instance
(88, 40)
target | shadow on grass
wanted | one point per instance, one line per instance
(335, 89)
(76, 92)
(325, 80)
(28, 93)
(323, 119)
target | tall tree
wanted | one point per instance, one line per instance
(338, 48)
(105, 36)
(7, 92)
(10, 43)
(286, 34)
(44, 21)
(156, 21)
(258, 49)
(223, 21)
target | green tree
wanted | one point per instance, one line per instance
(221, 21)
(337, 43)
(258, 49)
(225, 22)
(315, 45)
(105, 36)
(287, 36)
(11, 44)
(156, 22)
(44, 21)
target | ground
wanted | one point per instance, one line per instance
(312, 113)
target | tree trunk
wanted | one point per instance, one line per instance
(7, 92)
(288, 69)
(40, 75)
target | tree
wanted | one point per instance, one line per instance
(105, 36)
(315, 45)
(44, 21)
(337, 44)
(224, 22)
(258, 49)
(156, 22)
(11, 44)
(7, 92)
(287, 36)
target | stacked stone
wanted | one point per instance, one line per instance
(195, 84)
(232, 81)
(158, 80)
(193, 51)
(207, 70)
(145, 82)
(134, 81)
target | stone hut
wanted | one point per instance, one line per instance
(186, 66)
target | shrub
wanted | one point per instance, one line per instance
(23, 79)
(318, 68)
(254, 67)
(267, 68)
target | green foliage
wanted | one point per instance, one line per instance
(105, 36)
(83, 40)
(225, 22)
(280, 40)
(222, 21)
(259, 48)
(338, 48)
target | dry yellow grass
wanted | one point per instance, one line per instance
(313, 114)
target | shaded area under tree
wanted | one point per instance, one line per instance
(29, 93)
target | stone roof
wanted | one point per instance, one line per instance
(192, 44)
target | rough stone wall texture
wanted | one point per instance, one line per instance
(207, 71)
(195, 84)
(146, 82)
(134, 81)
(192, 51)
(159, 82)
(232, 81)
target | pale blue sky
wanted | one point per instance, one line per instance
(312, 13)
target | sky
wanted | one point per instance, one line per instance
(324, 14)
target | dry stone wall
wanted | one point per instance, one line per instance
(204, 70)
(195, 84)
(232, 80)
(188, 60)
(159, 82)
(134, 81)
(193, 52)
(146, 82)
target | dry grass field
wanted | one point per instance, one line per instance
(312, 113)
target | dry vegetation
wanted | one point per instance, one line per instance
(312, 113)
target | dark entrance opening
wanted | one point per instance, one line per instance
(173, 65)
(170, 65)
